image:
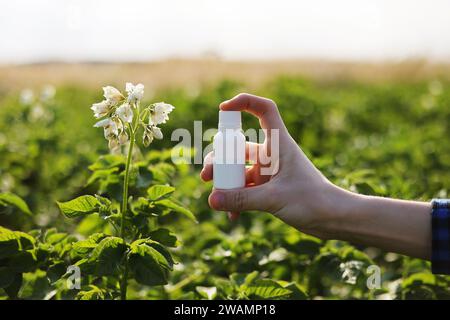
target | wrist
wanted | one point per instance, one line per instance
(337, 206)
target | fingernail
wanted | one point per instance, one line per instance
(222, 103)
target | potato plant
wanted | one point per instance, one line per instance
(138, 249)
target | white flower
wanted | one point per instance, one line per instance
(27, 96)
(102, 123)
(109, 126)
(112, 94)
(125, 112)
(160, 113)
(135, 92)
(157, 132)
(48, 92)
(36, 113)
(100, 109)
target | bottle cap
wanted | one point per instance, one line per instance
(229, 119)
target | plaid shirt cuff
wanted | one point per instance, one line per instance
(440, 256)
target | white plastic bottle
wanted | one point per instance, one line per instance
(229, 152)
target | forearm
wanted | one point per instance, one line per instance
(393, 225)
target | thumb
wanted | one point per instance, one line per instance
(236, 200)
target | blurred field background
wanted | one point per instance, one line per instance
(371, 108)
(371, 128)
(194, 73)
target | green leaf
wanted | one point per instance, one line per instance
(103, 201)
(266, 289)
(91, 224)
(9, 244)
(162, 250)
(6, 276)
(80, 206)
(243, 279)
(165, 237)
(13, 289)
(162, 172)
(49, 232)
(56, 237)
(12, 242)
(108, 255)
(86, 246)
(12, 200)
(25, 240)
(297, 292)
(36, 286)
(419, 279)
(169, 204)
(350, 253)
(101, 174)
(104, 206)
(144, 177)
(86, 266)
(149, 266)
(158, 192)
(251, 277)
(95, 293)
(56, 271)
(107, 161)
(23, 262)
(225, 287)
(207, 292)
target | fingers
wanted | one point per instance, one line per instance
(207, 172)
(264, 109)
(237, 200)
(251, 154)
(253, 175)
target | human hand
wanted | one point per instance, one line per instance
(297, 193)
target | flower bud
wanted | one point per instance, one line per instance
(148, 136)
(157, 133)
(113, 143)
(123, 137)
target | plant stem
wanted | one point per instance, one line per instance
(124, 283)
(125, 185)
(124, 280)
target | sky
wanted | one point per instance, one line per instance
(145, 30)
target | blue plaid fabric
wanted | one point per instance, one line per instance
(440, 256)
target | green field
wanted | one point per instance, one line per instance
(388, 138)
